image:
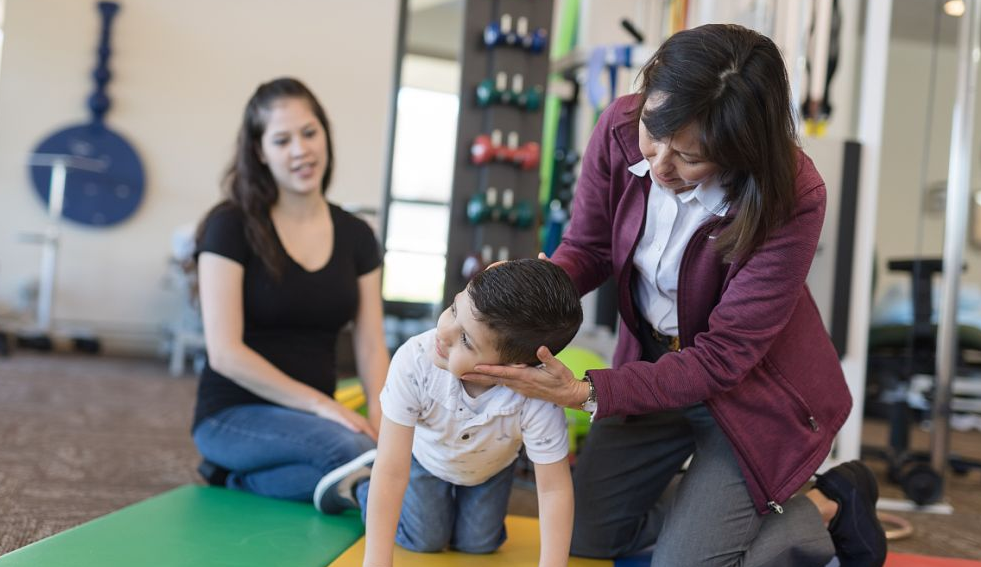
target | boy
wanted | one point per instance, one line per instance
(449, 447)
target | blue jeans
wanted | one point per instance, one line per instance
(275, 451)
(437, 514)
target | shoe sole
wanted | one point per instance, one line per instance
(338, 474)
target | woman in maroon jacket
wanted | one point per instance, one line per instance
(695, 196)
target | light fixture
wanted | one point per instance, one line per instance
(954, 8)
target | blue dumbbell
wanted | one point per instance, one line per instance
(532, 41)
(498, 33)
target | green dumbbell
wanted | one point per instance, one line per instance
(483, 207)
(518, 214)
(493, 91)
(521, 215)
(528, 99)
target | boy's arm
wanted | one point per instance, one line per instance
(389, 477)
(555, 505)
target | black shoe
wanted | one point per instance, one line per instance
(213, 474)
(855, 530)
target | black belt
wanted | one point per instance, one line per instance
(653, 344)
(667, 341)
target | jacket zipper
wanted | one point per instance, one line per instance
(771, 504)
(787, 387)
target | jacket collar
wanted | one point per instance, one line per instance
(626, 129)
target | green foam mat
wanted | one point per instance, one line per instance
(198, 525)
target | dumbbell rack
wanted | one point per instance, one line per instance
(479, 62)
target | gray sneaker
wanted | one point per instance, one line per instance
(335, 492)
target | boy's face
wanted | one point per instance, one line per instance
(462, 342)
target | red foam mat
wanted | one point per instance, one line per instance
(906, 560)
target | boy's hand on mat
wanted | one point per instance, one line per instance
(551, 380)
(334, 411)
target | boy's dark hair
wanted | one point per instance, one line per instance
(526, 303)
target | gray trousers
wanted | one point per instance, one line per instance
(621, 475)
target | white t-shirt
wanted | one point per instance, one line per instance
(672, 219)
(461, 439)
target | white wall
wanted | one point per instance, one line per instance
(903, 229)
(182, 72)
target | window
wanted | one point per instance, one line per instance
(422, 174)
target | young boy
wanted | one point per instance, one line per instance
(448, 446)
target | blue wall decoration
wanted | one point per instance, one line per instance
(98, 198)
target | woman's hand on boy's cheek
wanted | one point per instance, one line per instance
(489, 379)
(551, 380)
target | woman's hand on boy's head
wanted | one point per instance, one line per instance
(551, 380)
(541, 256)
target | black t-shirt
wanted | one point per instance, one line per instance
(293, 323)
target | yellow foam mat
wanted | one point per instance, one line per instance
(520, 550)
(350, 396)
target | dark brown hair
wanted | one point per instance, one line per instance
(732, 84)
(248, 183)
(526, 303)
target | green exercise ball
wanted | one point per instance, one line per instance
(579, 360)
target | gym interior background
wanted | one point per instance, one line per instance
(100, 420)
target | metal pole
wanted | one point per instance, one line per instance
(49, 246)
(958, 200)
(59, 164)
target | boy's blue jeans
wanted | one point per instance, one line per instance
(274, 451)
(437, 514)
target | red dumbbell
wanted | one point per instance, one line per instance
(524, 156)
(527, 156)
(489, 148)
(485, 148)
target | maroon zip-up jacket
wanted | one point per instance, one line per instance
(754, 348)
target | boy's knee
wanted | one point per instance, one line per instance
(479, 548)
(478, 541)
(423, 545)
(422, 541)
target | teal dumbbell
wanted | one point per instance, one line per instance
(527, 99)
(520, 214)
(494, 91)
(483, 207)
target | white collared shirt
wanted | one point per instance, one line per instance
(461, 439)
(672, 219)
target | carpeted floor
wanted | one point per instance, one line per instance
(83, 436)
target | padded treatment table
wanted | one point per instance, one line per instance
(520, 550)
(199, 526)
